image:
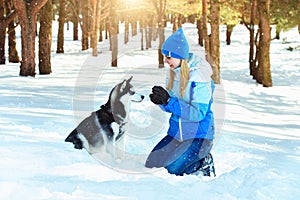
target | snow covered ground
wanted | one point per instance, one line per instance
(257, 148)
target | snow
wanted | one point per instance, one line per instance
(256, 150)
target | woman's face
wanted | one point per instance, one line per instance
(172, 62)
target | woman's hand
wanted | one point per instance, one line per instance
(159, 95)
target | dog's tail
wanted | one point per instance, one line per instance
(73, 138)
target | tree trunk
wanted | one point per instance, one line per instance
(101, 28)
(28, 32)
(45, 38)
(97, 27)
(85, 26)
(160, 12)
(161, 36)
(126, 32)
(215, 39)
(75, 27)
(252, 59)
(277, 36)
(175, 22)
(149, 30)
(142, 28)
(254, 62)
(113, 33)
(200, 32)
(61, 23)
(264, 70)
(229, 29)
(2, 33)
(179, 21)
(94, 38)
(98, 21)
(204, 28)
(27, 17)
(13, 56)
(133, 26)
(106, 28)
(93, 34)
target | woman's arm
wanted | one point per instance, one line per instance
(196, 109)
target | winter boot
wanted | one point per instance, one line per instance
(207, 166)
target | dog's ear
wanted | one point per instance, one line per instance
(129, 79)
(123, 84)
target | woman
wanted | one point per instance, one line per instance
(189, 97)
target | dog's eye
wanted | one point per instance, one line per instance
(131, 92)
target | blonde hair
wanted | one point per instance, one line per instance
(184, 77)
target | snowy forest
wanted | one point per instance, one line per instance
(100, 19)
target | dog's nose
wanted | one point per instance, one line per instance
(142, 96)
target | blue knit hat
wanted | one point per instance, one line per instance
(176, 45)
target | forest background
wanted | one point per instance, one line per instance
(100, 19)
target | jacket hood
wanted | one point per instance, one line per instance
(200, 69)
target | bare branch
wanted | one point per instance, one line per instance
(11, 16)
(37, 5)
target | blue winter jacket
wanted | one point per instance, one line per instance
(192, 115)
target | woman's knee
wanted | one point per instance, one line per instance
(154, 160)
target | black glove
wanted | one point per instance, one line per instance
(155, 99)
(159, 95)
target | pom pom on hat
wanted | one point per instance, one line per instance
(176, 46)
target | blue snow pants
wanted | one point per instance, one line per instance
(179, 157)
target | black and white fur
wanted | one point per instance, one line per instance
(106, 126)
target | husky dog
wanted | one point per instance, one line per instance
(106, 126)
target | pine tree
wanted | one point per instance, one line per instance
(113, 32)
(85, 11)
(13, 56)
(27, 15)
(45, 38)
(61, 23)
(263, 69)
(215, 39)
(2, 33)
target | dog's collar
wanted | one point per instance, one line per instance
(106, 108)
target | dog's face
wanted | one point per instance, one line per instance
(120, 96)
